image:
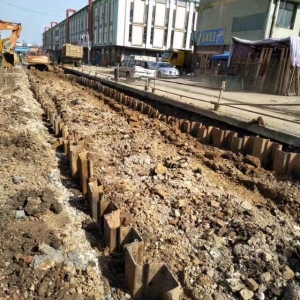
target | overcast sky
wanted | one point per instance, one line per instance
(35, 15)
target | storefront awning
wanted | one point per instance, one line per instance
(224, 56)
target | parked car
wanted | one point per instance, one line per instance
(164, 69)
(133, 68)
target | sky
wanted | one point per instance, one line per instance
(35, 15)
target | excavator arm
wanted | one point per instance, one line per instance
(7, 56)
(16, 29)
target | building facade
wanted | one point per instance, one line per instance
(125, 27)
(247, 19)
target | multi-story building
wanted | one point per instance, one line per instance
(125, 27)
(146, 27)
(248, 19)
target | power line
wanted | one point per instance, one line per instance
(27, 9)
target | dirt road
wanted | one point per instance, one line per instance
(226, 228)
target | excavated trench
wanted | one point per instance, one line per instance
(221, 239)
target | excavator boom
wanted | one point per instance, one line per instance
(7, 56)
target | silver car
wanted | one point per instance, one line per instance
(134, 69)
(164, 69)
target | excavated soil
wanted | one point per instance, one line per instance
(227, 228)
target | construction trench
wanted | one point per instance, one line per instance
(136, 203)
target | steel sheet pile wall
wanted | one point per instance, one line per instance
(269, 153)
(145, 281)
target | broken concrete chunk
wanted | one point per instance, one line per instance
(18, 179)
(246, 294)
(235, 284)
(251, 284)
(160, 169)
(287, 273)
(56, 208)
(265, 277)
(20, 214)
(215, 204)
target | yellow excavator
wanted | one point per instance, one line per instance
(8, 57)
(2, 42)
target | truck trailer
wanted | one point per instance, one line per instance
(72, 54)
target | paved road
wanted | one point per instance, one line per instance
(284, 119)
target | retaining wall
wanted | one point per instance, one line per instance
(145, 281)
(269, 153)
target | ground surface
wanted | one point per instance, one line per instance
(226, 228)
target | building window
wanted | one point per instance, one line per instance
(172, 38)
(153, 15)
(145, 34)
(111, 34)
(111, 11)
(286, 14)
(146, 23)
(193, 22)
(131, 12)
(174, 18)
(186, 26)
(130, 33)
(151, 36)
(166, 36)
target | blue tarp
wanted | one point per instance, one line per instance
(224, 56)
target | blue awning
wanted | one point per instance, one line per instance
(224, 56)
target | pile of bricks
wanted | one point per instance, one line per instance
(269, 153)
(145, 281)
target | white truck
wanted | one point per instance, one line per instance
(135, 67)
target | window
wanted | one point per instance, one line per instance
(131, 12)
(286, 14)
(151, 36)
(132, 63)
(166, 36)
(146, 22)
(138, 63)
(124, 63)
(153, 15)
(111, 11)
(106, 13)
(111, 34)
(167, 17)
(174, 56)
(145, 34)
(186, 26)
(100, 14)
(130, 33)
(174, 18)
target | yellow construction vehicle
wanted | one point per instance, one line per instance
(8, 57)
(2, 42)
(179, 58)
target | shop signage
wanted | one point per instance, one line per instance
(211, 37)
